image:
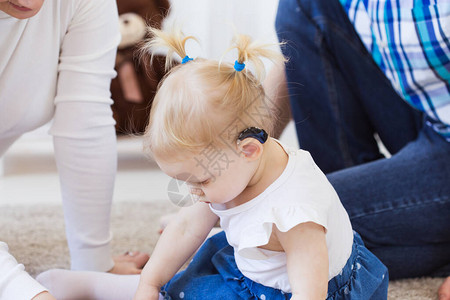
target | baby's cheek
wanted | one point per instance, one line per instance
(227, 194)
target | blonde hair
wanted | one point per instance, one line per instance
(206, 102)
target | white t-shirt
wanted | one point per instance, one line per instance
(301, 194)
(59, 65)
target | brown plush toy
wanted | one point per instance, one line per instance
(135, 85)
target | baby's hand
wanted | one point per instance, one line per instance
(129, 263)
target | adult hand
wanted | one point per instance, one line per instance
(444, 290)
(129, 263)
(44, 296)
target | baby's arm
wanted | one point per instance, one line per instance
(179, 240)
(307, 260)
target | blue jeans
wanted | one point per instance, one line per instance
(339, 99)
(213, 274)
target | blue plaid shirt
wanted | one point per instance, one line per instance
(410, 42)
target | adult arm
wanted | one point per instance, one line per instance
(178, 242)
(83, 131)
(307, 260)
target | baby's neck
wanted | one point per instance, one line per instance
(271, 165)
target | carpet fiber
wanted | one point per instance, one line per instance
(35, 236)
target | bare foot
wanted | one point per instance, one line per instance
(129, 262)
(444, 290)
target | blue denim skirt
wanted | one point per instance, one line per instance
(213, 274)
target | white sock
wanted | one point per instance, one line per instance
(86, 285)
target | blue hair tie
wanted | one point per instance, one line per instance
(186, 59)
(239, 66)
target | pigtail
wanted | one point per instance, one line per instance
(252, 52)
(244, 87)
(174, 41)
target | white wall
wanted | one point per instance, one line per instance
(213, 22)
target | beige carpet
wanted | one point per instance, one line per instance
(35, 235)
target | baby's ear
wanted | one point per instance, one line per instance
(251, 148)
